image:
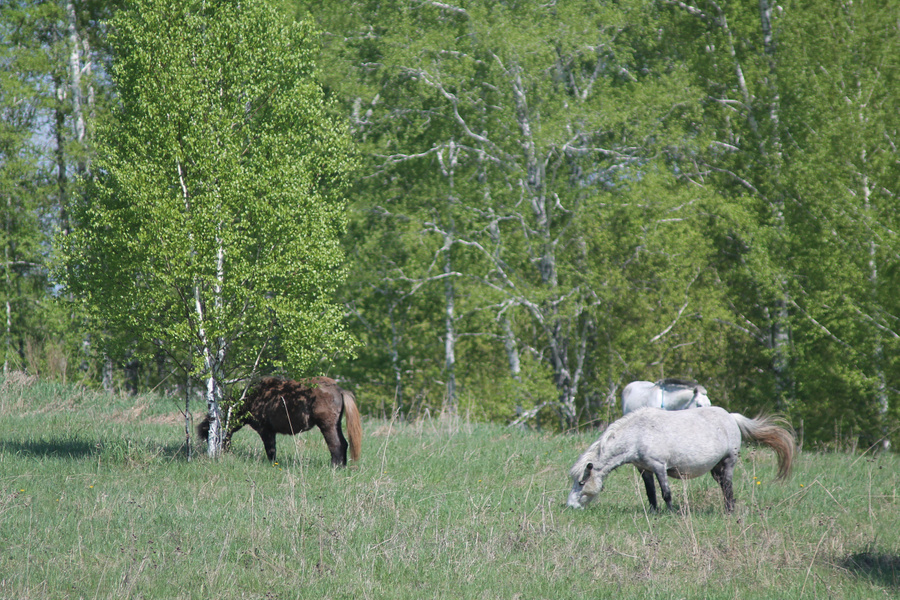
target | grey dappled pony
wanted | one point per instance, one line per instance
(668, 394)
(681, 444)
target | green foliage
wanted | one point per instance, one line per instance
(52, 76)
(25, 197)
(603, 192)
(212, 217)
(495, 396)
(642, 189)
(492, 131)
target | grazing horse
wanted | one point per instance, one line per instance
(681, 444)
(668, 394)
(290, 407)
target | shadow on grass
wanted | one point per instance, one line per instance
(77, 449)
(882, 569)
(71, 448)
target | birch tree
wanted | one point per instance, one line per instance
(797, 97)
(741, 67)
(843, 62)
(524, 114)
(211, 221)
(47, 91)
(22, 195)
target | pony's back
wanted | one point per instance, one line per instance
(636, 395)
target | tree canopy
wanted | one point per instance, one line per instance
(211, 222)
(546, 200)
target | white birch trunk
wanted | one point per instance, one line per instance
(781, 338)
(75, 74)
(214, 360)
(881, 394)
(534, 186)
(769, 147)
(212, 351)
(395, 360)
(448, 169)
(512, 350)
(450, 332)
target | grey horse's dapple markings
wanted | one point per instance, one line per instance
(681, 444)
(669, 394)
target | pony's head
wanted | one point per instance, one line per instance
(586, 480)
(203, 432)
(203, 429)
(700, 397)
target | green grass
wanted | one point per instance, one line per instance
(98, 501)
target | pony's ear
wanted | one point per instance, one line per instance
(587, 472)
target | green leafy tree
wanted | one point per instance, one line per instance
(800, 113)
(734, 51)
(503, 133)
(23, 194)
(211, 222)
(627, 190)
(843, 78)
(50, 53)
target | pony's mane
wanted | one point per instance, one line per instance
(677, 382)
(594, 449)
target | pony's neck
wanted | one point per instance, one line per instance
(608, 462)
(677, 399)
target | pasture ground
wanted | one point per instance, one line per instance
(98, 501)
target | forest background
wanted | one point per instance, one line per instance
(550, 199)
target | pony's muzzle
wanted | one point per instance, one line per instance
(575, 501)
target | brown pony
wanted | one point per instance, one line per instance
(290, 407)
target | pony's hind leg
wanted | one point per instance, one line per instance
(650, 486)
(337, 444)
(723, 473)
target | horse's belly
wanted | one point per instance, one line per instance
(694, 465)
(689, 471)
(280, 421)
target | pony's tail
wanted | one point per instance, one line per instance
(776, 433)
(354, 425)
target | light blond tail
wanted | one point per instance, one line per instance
(774, 432)
(354, 425)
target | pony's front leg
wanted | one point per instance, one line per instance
(650, 486)
(268, 440)
(226, 443)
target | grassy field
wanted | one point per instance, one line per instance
(98, 501)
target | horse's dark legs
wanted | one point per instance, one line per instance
(663, 479)
(268, 440)
(226, 443)
(723, 473)
(337, 444)
(649, 484)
